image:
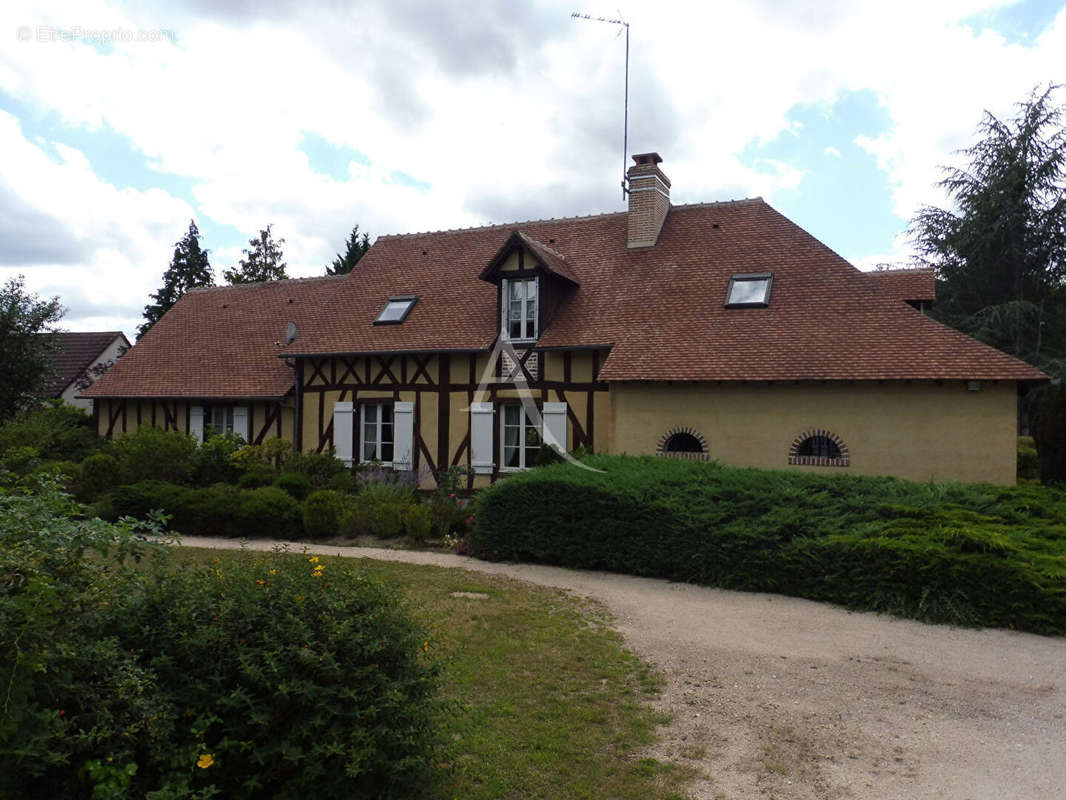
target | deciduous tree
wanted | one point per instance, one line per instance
(26, 346)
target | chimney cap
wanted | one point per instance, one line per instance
(648, 158)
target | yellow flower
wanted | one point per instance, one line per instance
(206, 760)
(425, 647)
(272, 572)
(313, 559)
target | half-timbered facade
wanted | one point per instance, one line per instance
(713, 331)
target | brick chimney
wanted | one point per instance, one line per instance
(649, 200)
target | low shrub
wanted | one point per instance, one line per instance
(21, 460)
(55, 430)
(266, 676)
(273, 453)
(99, 473)
(256, 476)
(326, 513)
(380, 510)
(154, 454)
(985, 555)
(1028, 459)
(268, 512)
(344, 482)
(296, 484)
(68, 473)
(320, 468)
(213, 462)
(417, 523)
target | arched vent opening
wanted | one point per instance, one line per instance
(684, 443)
(819, 448)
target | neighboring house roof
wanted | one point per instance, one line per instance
(75, 353)
(912, 285)
(218, 342)
(660, 309)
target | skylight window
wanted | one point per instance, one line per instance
(749, 291)
(396, 310)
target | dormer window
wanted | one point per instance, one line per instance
(519, 312)
(749, 291)
(396, 310)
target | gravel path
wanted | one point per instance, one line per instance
(775, 697)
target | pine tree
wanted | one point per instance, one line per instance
(356, 248)
(1000, 255)
(262, 262)
(188, 269)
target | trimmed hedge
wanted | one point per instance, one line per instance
(967, 554)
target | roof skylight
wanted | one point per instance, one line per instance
(396, 310)
(749, 291)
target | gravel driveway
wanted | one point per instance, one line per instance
(775, 697)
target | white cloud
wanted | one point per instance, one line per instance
(513, 112)
(832, 152)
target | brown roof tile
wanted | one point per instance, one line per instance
(218, 342)
(661, 309)
(74, 354)
(913, 285)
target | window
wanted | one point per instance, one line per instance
(375, 432)
(521, 439)
(819, 447)
(683, 443)
(749, 291)
(519, 308)
(222, 419)
(396, 310)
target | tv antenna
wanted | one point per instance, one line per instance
(625, 122)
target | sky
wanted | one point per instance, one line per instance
(120, 122)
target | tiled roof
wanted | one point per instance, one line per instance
(75, 353)
(914, 285)
(661, 310)
(218, 342)
(662, 307)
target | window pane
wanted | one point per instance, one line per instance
(518, 289)
(531, 289)
(511, 457)
(749, 291)
(511, 414)
(394, 310)
(386, 452)
(369, 451)
(370, 413)
(386, 432)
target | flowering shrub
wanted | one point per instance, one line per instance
(269, 675)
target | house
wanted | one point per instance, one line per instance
(710, 331)
(79, 359)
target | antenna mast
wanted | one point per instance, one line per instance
(625, 121)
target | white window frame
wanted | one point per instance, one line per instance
(380, 406)
(525, 424)
(505, 310)
(227, 419)
(764, 278)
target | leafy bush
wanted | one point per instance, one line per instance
(380, 510)
(270, 512)
(265, 676)
(154, 454)
(322, 469)
(273, 453)
(1028, 459)
(344, 482)
(256, 476)
(56, 431)
(20, 460)
(930, 551)
(213, 462)
(99, 473)
(326, 513)
(417, 523)
(296, 484)
(67, 473)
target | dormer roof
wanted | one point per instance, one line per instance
(545, 257)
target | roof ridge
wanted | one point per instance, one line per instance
(518, 223)
(541, 245)
(262, 284)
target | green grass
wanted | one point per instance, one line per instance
(543, 700)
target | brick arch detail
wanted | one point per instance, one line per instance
(703, 455)
(818, 461)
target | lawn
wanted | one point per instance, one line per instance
(543, 700)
